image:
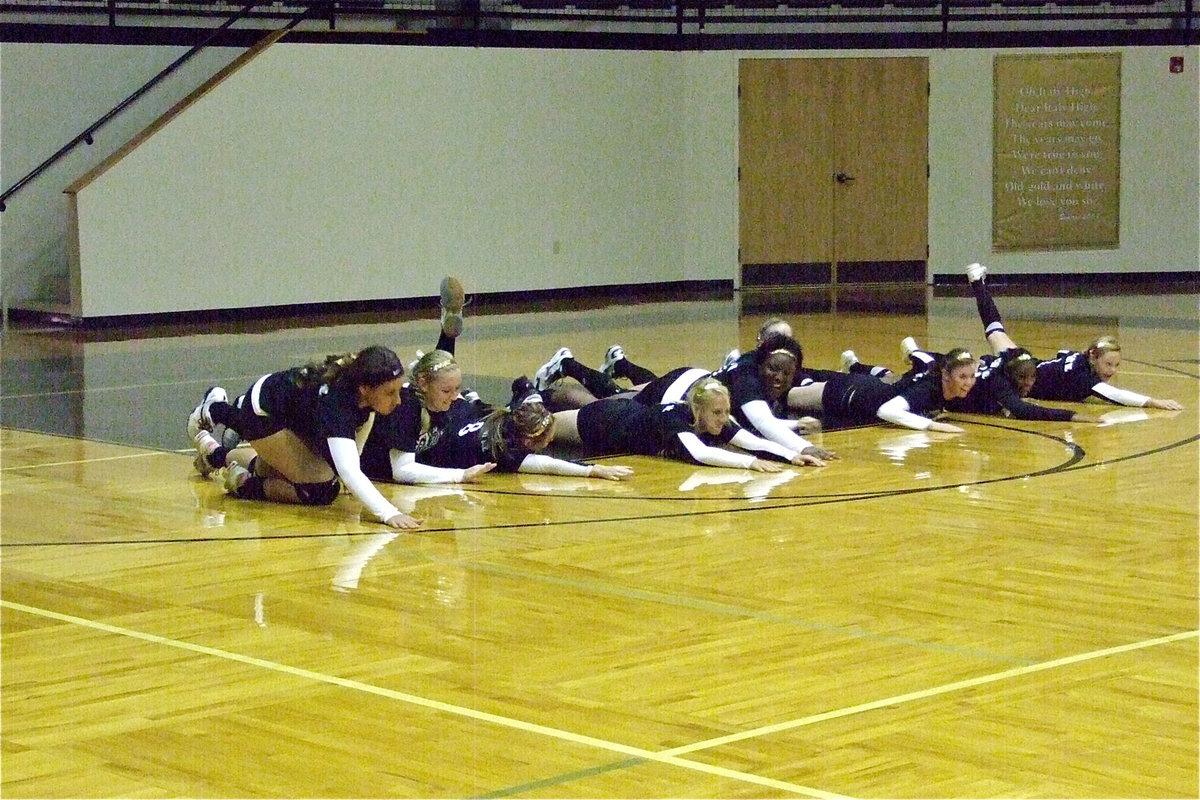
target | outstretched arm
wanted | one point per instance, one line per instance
(714, 456)
(896, 411)
(748, 441)
(1010, 400)
(406, 469)
(1124, 397)
(349, 469)
(758, 414)
(538, 463)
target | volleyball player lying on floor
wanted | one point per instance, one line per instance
(757, 382)
(1072, 375)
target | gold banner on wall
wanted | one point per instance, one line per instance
(1056, 152)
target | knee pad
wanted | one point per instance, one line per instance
(254, 488)
(318, 494)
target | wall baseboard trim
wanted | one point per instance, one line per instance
(260, 318)
(1132, 282)
(49, 317)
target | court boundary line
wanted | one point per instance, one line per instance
(424, 702)
(670, 756)
(85, 461)
(922, 694)
(865, 707)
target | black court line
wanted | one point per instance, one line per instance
(1078, 453)
(571, 777)
(1070, 464)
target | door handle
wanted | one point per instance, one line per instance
(842, 177)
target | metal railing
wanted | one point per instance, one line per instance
(641, 16)
(87, 135)
(743, 22)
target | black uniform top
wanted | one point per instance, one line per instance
(402, 430)
(465, 443)
(923, 392)
(678, 418)
(314, 412)
(1068, 377)
(621, 425)
(995, 393)
(746, 385)
(855, 399)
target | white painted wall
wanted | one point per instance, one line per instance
(1160, 167)
(340, 173)
(322, 173)
(50, 93)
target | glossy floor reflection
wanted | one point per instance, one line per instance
(1007, 612)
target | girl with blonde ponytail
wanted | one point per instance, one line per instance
(696, 430)
(479, 439)
(1071, 375)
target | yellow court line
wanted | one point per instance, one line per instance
(461, 711)
(666, 756)
(932, 692)
(80, 461)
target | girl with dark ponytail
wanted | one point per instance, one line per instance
(307, 426)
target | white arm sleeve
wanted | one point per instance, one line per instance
(1122, 397)
(345, 461)
(713, 456)
(405, 469)
(896, 412)
(758, 413)
(748, 441)
(540, 464)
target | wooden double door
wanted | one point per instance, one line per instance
(833, 173)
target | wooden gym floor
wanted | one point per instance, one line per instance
(1011, 612)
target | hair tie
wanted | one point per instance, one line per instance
(782, 351)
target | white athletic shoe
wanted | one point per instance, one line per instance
(551, 371)
(731, 358)
(611, 357)
(233, 476)
(453, 299)
(199, 420)
(849, 359)
(205, 442)
(908, 346)
(975, 272)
